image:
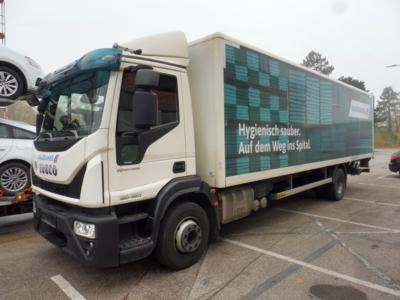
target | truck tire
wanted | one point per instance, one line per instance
(14, 177)
(11, 83)
(335, 190)
(183, 236)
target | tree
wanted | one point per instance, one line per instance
(317, 62)
(379, 116)
(388, 107)
(354, 82)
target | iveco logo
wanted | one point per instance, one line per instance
(48, 169)
(47, 164)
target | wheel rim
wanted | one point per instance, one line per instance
(340, 186)
(188, 236)
(14, 179)
(8, 84)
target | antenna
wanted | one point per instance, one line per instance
(2, 22)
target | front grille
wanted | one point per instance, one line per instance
(72, 190)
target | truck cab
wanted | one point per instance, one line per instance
(115, 157)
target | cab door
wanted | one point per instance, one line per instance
(141, 161)
(6, 141)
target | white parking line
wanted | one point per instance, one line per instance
(338, 220)
(67, 288)
(318, 269)
(383, 176)
(388, 281)
(365, 232)
(380, 185)
(373, 202)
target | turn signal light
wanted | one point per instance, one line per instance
(20, 197)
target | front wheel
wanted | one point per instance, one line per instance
(183, 236)
(11, 83)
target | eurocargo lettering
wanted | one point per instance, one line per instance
(153, 144)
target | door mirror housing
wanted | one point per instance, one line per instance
(145, 108)
(145, 101)
(147, 79)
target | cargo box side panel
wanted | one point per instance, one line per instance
(280, 118)
(206, 86)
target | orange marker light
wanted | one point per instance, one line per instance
(20, 197)
(216, 203)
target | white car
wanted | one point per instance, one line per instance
(18, 74)
(16, 146)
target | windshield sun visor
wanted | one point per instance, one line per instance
(107, 59)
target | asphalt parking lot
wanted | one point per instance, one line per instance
(299, 248)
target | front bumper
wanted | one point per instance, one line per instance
(394, 167)
(32, 74)
(55, 223)
(114, 244)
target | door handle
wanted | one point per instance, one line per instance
(179, 167)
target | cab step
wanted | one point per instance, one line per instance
(133, 218)
(134, 249)
(133, 243)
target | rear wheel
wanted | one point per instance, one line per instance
(335, 190)
(183, 236)
(14, 177)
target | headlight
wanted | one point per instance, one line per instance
(32, 62)
(85, 230)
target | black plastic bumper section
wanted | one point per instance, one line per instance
(55, 223)
(394, 167)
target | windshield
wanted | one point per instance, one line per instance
(76, 105)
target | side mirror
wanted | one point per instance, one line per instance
(145, 108)
(32, 100)
(145, 102)
(147, 79)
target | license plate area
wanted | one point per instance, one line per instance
(49, 220)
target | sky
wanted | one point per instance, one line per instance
(359, 37)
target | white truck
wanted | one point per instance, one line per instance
(149, 146)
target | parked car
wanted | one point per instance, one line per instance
(16, 146)
(18, 74)
(394, 164)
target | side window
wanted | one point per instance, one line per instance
(4, 132)
(23, 134)
(129, 150)
(167, 99)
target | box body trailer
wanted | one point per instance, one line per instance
(263, 117)
(148, 147)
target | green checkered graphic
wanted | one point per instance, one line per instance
(265, 91)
